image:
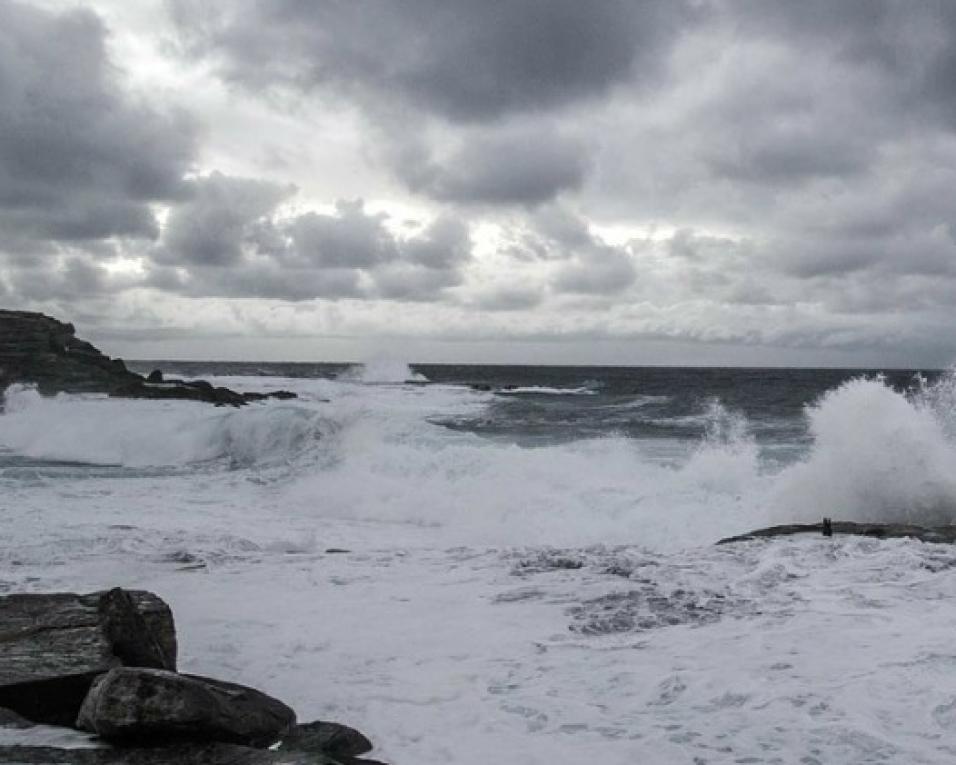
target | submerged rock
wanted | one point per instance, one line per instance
(39, 350)
(53, 646)
(943, 534)
(129, 704)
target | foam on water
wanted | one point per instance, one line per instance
(373, 454)
(454, 631)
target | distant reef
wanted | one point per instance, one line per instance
(39, 350)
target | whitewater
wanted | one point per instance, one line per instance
(523, 570)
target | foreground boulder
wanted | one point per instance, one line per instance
(52, 647)
(943, 534)
(129, 704)
(42, 351)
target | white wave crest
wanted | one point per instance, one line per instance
(877, 455)
(372, 455)
(382, 371)
(543, 390)
(102, 431)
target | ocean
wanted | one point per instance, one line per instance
(517, 564)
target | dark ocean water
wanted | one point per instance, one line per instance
(551, 404)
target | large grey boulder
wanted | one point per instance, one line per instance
(53, 646)
(136, 705)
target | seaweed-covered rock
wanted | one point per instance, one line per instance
(53, 646)
(139, 705)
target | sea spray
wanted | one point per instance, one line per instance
(878, 455)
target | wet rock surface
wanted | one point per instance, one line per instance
(130, 704)
(105, 663)
(941, 534)
(326, 738)
(53, 646)
(39, 350)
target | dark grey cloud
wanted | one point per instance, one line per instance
(80, 158)
(350, 238)
(508, 298)
(221, 216)
(229, 238)
(527, 166)
(587, 265)
(464, 61)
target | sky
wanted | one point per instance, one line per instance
(732, 182)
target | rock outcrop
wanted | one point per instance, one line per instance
(42, 351)
(149, 704)
(944, 534)
(52, 647)
(105, 663)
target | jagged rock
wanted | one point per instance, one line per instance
(138, 705)
(39, 350)
(328, 738)
(180, 754)
(944, 534)
(53, 646)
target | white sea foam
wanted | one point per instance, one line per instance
(433, 634)
(544, 390)
(373, 454)
(382, 370)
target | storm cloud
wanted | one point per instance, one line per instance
(80, 158)
(740, 173)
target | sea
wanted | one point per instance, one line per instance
(477, 564)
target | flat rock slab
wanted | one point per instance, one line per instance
(137, 705)
(941, 534)
(183, 754)
(53, 646)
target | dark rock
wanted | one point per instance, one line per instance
(180, 754)
(942, 534)
(328, 738)
(10, 719)
(39, 350)
(53, 646)
(139, 705)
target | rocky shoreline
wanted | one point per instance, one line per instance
(105, 663)
(39, 350)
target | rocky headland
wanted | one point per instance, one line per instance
(105, 663)
(39, 350)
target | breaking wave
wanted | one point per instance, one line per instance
(371, 454)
